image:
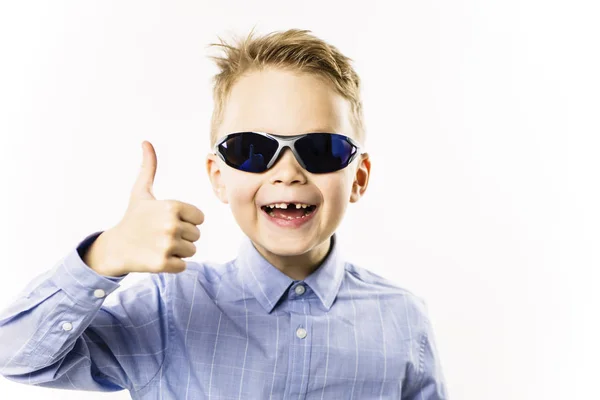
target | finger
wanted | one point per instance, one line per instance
(182, 248)
(189, 213)
(175, 264)
(143, 185)
(189, 232)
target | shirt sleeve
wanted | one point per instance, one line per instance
(427, 381)
(60, 333)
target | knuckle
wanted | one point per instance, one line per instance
(171, 227)
(171, 206)
(157, 266)
(169, 247)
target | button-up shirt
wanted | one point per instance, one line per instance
(238, 330)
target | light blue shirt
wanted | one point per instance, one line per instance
(239, 330)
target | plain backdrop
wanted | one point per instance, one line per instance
(482, 124)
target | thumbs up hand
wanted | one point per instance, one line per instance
(153, 236)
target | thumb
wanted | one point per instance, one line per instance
(143, 185)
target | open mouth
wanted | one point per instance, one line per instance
(289, 210)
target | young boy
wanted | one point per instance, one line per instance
(289, 318)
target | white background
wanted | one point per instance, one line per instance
(482, 121)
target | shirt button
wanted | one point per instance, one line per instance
(67, 326)
(301, 333)
(300, 289)
(99, 293)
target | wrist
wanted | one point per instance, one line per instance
(99, 258)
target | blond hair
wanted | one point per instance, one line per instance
(295, 50)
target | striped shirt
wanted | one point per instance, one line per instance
(238, 330)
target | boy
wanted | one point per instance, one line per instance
(288, 318)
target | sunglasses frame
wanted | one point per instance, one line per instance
(284, 141)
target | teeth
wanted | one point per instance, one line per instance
(288, 217)
(285, 205)
(277, 205)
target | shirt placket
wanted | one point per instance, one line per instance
(301, 340)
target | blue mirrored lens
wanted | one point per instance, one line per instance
(248, 151)
(325, 152)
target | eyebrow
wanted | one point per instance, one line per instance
(322, 130)
(297, 133)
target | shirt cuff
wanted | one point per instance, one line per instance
(80, 281)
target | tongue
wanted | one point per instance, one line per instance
(285, 213)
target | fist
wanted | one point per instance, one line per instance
(153, 235)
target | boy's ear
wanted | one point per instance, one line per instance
(216, 178)
(361, 178)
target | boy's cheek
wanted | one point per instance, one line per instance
(241, 194)
(237, 185)
(336, 186)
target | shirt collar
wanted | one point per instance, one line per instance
(268, 284)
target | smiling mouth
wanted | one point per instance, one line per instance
(289, 210)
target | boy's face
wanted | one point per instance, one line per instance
(286, 103)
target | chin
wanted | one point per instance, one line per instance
(285, 246)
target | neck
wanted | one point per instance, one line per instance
(297, 267)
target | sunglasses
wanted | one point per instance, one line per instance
(256, 152)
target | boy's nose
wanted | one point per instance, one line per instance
(287, 169)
